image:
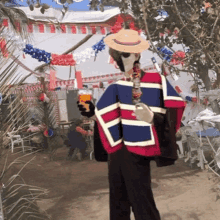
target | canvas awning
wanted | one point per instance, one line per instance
(55, 15)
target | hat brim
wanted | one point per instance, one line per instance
(132, 48)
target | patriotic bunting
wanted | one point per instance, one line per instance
(83, 29)
(30, 28)
(40, 55)
(74, 30)
(52, 28)
(3, 48)
(63, 28)
(79, 80)
(191, 98)
(52, 80)
(65, 59)
(99, 46)
(5, 22)
(41, 28)
(62, 60)
(84, 55)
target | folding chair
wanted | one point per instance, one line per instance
(15, 139)
(214, 165)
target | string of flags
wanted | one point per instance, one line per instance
(49, 58)
(66, 59)
(79, 57)
(174, 57)
(188, 98)
(62, 60)
(84, 55)
(40, 55)
(99, 46)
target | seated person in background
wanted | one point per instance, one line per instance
(76, 138)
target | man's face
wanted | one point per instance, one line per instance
(129, 61)
(125, 61)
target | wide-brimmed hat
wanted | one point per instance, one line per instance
(127, 41)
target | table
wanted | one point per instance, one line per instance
(63, 124)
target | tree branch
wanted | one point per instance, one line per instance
(205, 52)
(212, 32)
(149, 37)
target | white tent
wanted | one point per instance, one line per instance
(59, 42)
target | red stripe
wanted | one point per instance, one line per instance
(5, 22)
(127, 43)
(127, 114)
(63, 28)
(102, 30)
(151, 78)
(109, 116)
(41, 28)
(178, 89)
(83, 29)
(194, 99)
(73, 27)
(106, 143)
(30, 28)
(93, 30)
(52, 28)
(174, 104)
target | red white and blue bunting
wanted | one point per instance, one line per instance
(41, 28)
(64, 59)
(188, 98)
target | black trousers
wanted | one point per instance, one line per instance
(130, 187)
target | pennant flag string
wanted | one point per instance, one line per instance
(174, 57)
(40, 55)
(66, 59)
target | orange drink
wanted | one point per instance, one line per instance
(83, 96)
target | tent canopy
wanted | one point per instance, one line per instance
(59, 43)
(55, 15)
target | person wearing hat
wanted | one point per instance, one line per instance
(133, 126)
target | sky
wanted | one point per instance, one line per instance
(76, 6)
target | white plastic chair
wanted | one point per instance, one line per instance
(214, 165)
(15, 139)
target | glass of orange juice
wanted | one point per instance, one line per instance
(83, 96)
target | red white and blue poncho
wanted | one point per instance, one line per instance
(118, 126)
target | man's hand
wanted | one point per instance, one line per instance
(144, 114)
(83, 110)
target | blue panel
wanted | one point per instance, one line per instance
(116, 132)
(108, 98)
(142, 133)
(210, 132)
(125, 94)
(171, 91)
(152, 97)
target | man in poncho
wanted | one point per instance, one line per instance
(129, 136)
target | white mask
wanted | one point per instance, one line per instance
(129, 62)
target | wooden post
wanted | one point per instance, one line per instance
(46, 116)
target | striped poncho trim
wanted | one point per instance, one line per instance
(117, 124)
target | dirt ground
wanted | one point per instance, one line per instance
(79, 190)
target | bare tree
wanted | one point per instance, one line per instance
(194, 24)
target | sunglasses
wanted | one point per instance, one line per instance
(126, 55)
